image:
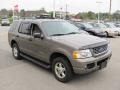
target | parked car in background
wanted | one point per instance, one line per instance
(90, 29)
(58, 45)
(113, 27)
(80, 30)
(5, 22)
(117, 25)
(109, 31)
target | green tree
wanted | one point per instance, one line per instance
(10, 13)
(91, 15)
(116, 15)
(22, 13)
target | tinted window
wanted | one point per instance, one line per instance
(24, 28)
(87, 25)
(35, 28)
(14, 26)
(79, 25)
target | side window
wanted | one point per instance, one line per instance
(14, 26)
(35, 29)
(24, 28)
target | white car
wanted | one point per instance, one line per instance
(113, 27)
(5, 22)
(109, 31)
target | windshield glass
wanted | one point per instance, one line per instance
(5, 20)
(94, 25)
(59, 27)
(110, 25)
(100, 25)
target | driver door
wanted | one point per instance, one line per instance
(38, 46)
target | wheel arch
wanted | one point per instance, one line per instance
(12, 42)
(59, 54)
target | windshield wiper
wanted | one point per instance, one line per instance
(57, 34)
(65, 34)
(73, 33)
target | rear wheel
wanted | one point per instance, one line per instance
(16, 51)
(62, 69)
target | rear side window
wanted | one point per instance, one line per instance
(24, 28)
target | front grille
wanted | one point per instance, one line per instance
(99, 50)
(91, 65)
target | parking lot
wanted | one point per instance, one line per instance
(24, 75)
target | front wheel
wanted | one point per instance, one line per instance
(62, 69)
(107, 34)
(16, 52)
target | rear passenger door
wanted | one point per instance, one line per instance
(24, 37)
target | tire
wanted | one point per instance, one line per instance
(63, 74)
(107, 34)
(16, 52)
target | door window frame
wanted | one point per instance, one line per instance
(22, 23)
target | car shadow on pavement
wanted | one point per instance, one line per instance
(76, 78)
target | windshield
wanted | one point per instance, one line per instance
(5, 20)
(88, 25)
(94, 25)
(59, 28)
(110, 25)
(100, 25)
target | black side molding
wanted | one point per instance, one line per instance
(42, 64)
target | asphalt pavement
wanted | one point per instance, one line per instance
(24, 75)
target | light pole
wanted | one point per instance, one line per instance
(98, 11)
(53, 8)
(110, 9)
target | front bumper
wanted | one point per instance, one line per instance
(102, 34)
(82, 66)
(5, 24)
(113, 33)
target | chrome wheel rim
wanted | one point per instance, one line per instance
(15, 51)
(60, 70)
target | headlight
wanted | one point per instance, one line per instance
(82, 54)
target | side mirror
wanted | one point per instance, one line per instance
(38, 35)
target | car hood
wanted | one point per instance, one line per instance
(80, 41)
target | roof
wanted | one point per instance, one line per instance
(40, 20)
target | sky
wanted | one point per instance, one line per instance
(73, 6)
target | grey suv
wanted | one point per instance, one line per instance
(58, 45)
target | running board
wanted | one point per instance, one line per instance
(42, 64)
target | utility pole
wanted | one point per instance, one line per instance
(54, 9)
(13, 14)
(110, 10)
(98, 11)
